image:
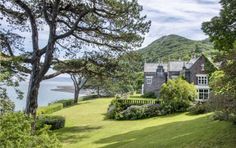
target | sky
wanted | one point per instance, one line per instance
(181, 17)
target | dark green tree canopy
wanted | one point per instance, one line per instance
(222, 29)
(71, 27)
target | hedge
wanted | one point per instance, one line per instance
(65, 102)
(49, 109)
(55, 122)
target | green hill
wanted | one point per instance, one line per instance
(175, 47)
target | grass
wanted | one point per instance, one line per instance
(87, 128)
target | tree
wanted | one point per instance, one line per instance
(222, 32)
(122, 77)
(178, 93)
(109, 25)
(79, 81)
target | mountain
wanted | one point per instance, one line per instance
(173, 47)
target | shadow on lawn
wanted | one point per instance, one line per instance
(70, 134)
(191, 133)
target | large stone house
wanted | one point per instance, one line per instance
(195, 71)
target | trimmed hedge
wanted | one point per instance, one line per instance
(49, 109)
(55, 122)
(65, 102)
(149, 95)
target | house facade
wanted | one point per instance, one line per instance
(195, 71)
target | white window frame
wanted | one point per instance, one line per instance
(203, 93)
(149, 80)
(202, 79)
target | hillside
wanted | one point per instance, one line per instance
(175, 47)
(87, 127)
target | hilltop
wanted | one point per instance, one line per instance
(175, 47)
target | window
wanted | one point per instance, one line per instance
(203, 94)
(203, 67)
(149, 80)
(202, 79)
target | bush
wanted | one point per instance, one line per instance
(115, 108)
(55, 122)
(90, 97)
(131, 113)
(178, 95)
(220, 115)
(232, 117)
(15, 131)
(49, 109)
(65, 102)
(149, 95)
(120, 111)
(199, 108)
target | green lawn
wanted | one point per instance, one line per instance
(86, 127)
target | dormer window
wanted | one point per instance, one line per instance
(202, 79)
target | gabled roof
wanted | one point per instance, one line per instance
(170, 66)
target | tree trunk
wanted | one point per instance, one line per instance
(32, 97)
(98, 91)
(76, 95)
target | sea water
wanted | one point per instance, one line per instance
(46, 94)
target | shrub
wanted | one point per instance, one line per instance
(232, 117)
(90, 97)
(55, 122)
(65, 102)
(199, 108)
(131, 113)
(178, 94)
(15, 131)
(135, 112)
(220, 115)
(49, 109)
(115, 108)
(149, 95)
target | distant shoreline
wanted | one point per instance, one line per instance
(69, 89)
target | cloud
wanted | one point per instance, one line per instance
(181, 17)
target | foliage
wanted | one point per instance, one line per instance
(6, 105)
(134, 112)
(55, 122)
(115, 108)
(70, 33)
(223, 35)
(149, 95)
(120, 110)
(175, 47)
(199, 108)
(49, 109)
(220, 115)
(65, 102)
(15, 131)
(178, 94)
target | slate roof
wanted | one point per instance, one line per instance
(176, 65)
(152, 67)
(170, 66)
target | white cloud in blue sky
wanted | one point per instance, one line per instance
(181, 17)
